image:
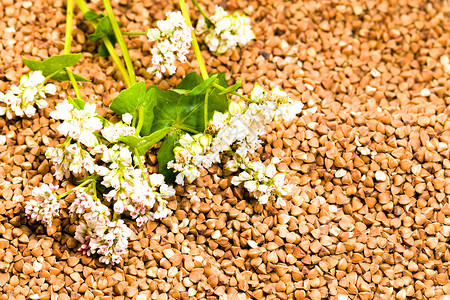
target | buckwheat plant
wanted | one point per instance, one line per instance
(197, 123)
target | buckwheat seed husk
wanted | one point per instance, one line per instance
(369, 217)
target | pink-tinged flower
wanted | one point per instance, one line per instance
(112, 132)
(44, 205)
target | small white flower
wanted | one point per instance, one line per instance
(21, 100)
(127, 118)
(173, 40)
(226, 31)
(44, 205)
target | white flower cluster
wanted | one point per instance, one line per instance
(173, 40)
(98, 156)
(20, 100)
(237, 132)
(70, 158)
(263, 182)
(44, 205)
(226, 31)
(109, 240)
(131, 191)
(95, 231)
(78, 124)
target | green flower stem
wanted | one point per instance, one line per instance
(141, 165)
(206, 107)
(69, 21)
(74, 83)
(141, 121)
(198, 54)
(67, 42)
(134, 33)
(117, 61)
(187, 128)
(79, 186)
(208, 21)
(114, 218)
(120, 40)
(109, 46)
(221, 88)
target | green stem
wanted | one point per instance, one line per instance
(120, 40)
(141, 165)
(67, 42)
(187, 128)
(74, 83)
(117, 61)
(79, 186)
(208, 21)
(134, 33)
(109, 46)
(221, 88)
(205, 114)
(197, 52)
(69, 20)
(140, 121)
(114, 218)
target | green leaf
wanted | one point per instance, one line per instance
(77, 103)
(165, 154)
(134, 99)
(90, 15)
(232, 88)
(52, 65)
(187, 111)
(199, 89)
(103, 51)
(63, 76)
(142, 144)
(103, 29)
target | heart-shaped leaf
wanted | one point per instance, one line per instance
(77, 103)
(133, 100)
(186, 112)
(103, 51)
(103, 29)
(199, 89)
(63, 76)
(232, 88)
(52, 65)
(142, 144)
(90, 15)
(165, 154)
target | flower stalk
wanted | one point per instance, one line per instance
(120, 41)
(198, 54)
(109, 46)
(67, 43)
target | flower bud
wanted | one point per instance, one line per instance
(177, 150)
(186, 140)
(205, 140)
(153, 34)
(278, 93)
(258, 92)
(236, 108)
(196, 149)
